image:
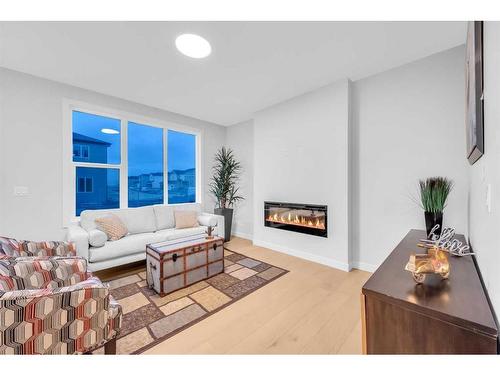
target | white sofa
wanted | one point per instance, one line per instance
(145, 224)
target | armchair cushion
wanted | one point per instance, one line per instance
(22, 248)
(71, 319)
(39, 273)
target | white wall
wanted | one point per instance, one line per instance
(301, 155)
(31, 148)
(239, 138)
(484, 226)
(408, 123)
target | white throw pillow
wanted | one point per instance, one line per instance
(97, 238)
(207, 220)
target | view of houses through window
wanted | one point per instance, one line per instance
(145, 165)
(181, 167)
(97, 147)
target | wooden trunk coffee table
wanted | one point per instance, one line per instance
(175, 264)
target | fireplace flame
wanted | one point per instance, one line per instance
(304, 221)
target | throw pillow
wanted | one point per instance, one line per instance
(112, 226)
(207, 220)
(97, 238)
(186, 219)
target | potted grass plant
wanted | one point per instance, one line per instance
(223, 186)
(434, 193)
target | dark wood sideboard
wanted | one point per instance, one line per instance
(438, 317)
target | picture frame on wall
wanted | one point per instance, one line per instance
(474, 91)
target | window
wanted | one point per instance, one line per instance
(80, 152)
(96, 139)
(85, 184)
(145, 165)
(117, 161)
(181, 167)
(97, 188)
(96, 148)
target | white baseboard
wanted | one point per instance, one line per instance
(301, 254)
(364, 266)
(246, 236)
(308, 256)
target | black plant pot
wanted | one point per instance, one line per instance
(228, 221)
(431, 219)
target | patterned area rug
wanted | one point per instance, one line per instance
(149, 319)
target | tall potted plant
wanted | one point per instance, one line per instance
(434, 192)
(226, 173)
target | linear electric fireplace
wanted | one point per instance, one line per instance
(302, 218)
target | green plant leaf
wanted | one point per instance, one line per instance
(225, 175)
(434, 193)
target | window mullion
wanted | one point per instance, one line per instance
(198, 170)
(124, 164)
(165, 166)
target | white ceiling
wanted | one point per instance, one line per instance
(253, 64)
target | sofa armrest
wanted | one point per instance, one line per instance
(205, 217)
(80, 237)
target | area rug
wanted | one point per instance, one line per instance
(150, 319)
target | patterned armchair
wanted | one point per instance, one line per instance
(54, 306)
(10, 247)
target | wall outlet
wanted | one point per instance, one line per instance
(21, 191)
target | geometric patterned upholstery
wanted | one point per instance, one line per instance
(71, 319)
(10, 247)
(39, 273)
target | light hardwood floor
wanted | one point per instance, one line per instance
(314, 309)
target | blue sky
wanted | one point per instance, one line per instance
(181, 150)
(145, 144)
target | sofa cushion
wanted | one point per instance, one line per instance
(128, 245)
(137, 220)
(136, 243)
(165, 213)
(173, 234)
(164, 216)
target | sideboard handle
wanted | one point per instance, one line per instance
(152, 266)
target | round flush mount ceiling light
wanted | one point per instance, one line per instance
(109, 131)
(193, 45)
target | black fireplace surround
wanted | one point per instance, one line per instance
(303, 218)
